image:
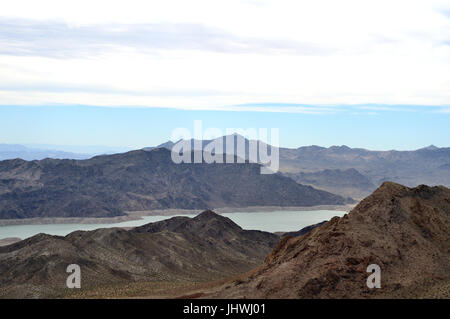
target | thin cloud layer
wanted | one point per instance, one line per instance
(59, 40)
(234, 55)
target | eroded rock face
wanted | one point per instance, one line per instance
(181, 249)
(406, 231)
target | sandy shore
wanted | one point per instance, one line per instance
(162, 212)
(91, 220)
(255, 209)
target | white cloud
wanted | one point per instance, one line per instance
(59, 40)
(209, 54)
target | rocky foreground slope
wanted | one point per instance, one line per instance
(406, 231)
(180, 249)
(110, 185)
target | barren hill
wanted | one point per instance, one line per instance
(406, 231)
(181, 249)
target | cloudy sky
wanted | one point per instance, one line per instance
(295, 57)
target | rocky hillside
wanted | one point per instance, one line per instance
(357, 172)
(141, 180)
(303, 231)
(411, 168)
(348, 182)
(180, 249)
(406, 231)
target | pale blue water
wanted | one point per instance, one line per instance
(282, 220)
(266, 221)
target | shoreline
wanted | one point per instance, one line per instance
(136, 215)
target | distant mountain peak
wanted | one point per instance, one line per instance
(430, 148)
(211, 220)
(207, 214)
(340, 147)
(167, 145)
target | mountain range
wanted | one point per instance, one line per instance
(13, 151)
(41, 151)
(110, 185)
(356, 172)
(410, 168)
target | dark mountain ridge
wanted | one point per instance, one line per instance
(428, 165)
(109, 185)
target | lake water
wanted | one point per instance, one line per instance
(266, 221)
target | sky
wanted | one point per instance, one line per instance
(372, 74)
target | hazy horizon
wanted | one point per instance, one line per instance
(387, 128)
(86, 149)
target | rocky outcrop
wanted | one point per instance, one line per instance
(406, 231)
(304, 230)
